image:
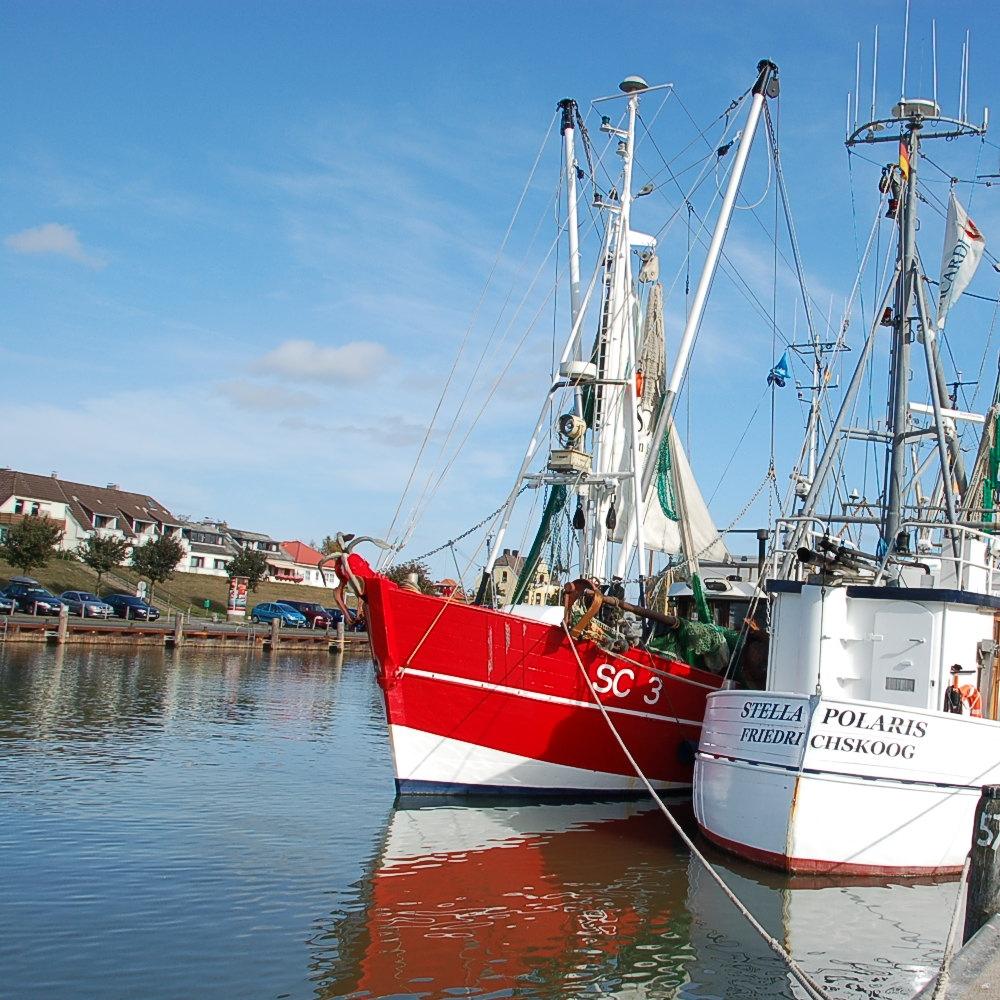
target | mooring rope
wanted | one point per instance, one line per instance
(949, 947)
(812, 988)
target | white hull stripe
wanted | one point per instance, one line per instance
(816, 772)
(421, 757)
(538, 696)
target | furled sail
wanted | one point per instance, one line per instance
(677, 519)
(675, 516)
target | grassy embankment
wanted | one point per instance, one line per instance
(184, 591)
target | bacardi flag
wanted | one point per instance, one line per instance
(963, 250)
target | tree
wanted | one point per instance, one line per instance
(251, 563)
(403, 571)
(157, 560)
(30, 543)
(328, 546)
(102, 553)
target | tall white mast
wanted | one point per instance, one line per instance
(613, 425)
(766, 86)
(568, 107)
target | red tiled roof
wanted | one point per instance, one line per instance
(304, 555)
(84, 500)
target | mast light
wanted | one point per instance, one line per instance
(631, 84)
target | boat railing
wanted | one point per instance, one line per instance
(973, 566)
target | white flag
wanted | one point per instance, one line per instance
(963, 250)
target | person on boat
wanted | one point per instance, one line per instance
(958, 696)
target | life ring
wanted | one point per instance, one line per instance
(972, 698)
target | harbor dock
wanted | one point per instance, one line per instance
(975, 970)
(59, 631)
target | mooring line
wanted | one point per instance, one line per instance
(811, 987)
(949, 947)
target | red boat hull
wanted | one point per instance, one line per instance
(479, 701)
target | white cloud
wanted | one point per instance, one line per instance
(54, 238)
(305, 360)
(258, 396)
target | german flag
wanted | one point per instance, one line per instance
(904, 161)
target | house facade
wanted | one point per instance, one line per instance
(507, 571)
(209, 550)
(306, 560)
(82, 510)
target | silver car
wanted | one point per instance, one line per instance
(86, 605)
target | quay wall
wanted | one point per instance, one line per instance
(975, 969)
(43, 632)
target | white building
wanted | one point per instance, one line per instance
(81, 510)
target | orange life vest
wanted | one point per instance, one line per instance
(971, 696)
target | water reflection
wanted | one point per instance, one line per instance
(579, 899)
(187, 824)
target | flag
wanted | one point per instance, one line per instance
(904, 160)
(963, 249)
(780, 373)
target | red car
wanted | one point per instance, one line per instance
(316, 614)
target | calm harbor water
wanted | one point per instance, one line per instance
(182, 824)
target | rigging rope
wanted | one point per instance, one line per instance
(469, 531)
(472, 321)
(812, 988)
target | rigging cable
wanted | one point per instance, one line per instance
(468, 330)
(812, 988)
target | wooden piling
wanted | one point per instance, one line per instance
(271, 642)
(983, 898)
(177, 639)
(63, 629)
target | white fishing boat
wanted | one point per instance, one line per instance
(866, 752)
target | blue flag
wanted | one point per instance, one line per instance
(780, 373)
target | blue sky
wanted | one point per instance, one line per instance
(241, 243)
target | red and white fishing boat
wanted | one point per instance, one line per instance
(495, 696)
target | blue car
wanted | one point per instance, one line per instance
(32, 598)
(132, 608)
(281, 612)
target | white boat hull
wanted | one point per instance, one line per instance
(846, 787)
(428, 763)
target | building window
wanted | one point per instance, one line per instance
(33, 510)
(197, 562)
(220, 564)
(18, 506)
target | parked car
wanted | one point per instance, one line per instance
(132, 608)
(355, 624)
(286, 615)
(335, 615)
(85, 604)
(7, 605)
(31, 597)
(316, 615)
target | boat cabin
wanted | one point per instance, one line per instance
(893, 642)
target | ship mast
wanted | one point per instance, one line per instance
(912, 123)
(909, 150)
(614, 430)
